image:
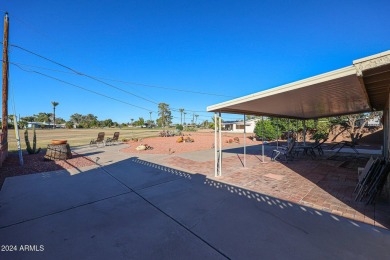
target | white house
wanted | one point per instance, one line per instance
(238, 126)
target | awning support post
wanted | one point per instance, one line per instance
(304, 132)
(215, 146)
(244, 141)
(262, 133)
(220, 144)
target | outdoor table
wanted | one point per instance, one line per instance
(305, 149)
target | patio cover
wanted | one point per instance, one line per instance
(361, 87)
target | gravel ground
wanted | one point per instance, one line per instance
(35, 163)
(168, 145)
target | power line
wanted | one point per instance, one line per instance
(73, 71)
(80, 87)
(94, 78)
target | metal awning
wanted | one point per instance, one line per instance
(361, 87)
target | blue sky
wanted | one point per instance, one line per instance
(232, 48)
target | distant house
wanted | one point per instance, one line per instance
(238, 126)
(376, 121)
(372, 122)
(43, 125)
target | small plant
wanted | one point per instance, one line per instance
(28, 145)
(236, 139)
(179, 140)
(230, 141)
(179, 127)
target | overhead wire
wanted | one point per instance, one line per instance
(73, 71)
(80, 87)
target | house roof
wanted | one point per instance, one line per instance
(361, 87)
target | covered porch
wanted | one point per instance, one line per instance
(361, 87)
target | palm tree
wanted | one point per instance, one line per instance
(150, 116)
(132, 120)
(185, 117)
(181, 110)
(54, 113)
(196, 119)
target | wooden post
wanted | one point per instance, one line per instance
(4, 127)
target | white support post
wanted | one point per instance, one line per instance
(220, 144)
(215, 146)
(262, 133)
(304, 132)
(244, 141)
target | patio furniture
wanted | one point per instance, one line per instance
(287, 152)
(371, 180)
(99, 140)
(306, 150)
(351, 144)
(317, 146)
(114, 139)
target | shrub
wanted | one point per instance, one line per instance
(179, 127)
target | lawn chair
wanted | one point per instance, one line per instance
(350, 144)
(99, 140)
(317, 145)
(287, 152)
(115, 139)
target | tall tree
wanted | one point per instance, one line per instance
(181, 110)
(185, 117)
(54, 112)
(165, 114)
(196, 119)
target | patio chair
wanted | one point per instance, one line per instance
(287, 152)
(114, 139)
(99, 140)
(351, 144)
(317, 146)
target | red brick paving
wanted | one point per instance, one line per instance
(319, 184)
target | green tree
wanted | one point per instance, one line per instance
(69, 124)
(42, 117)
(181, 110)
(165, 115)
(55, 104)
(140, 122)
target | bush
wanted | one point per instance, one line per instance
(267, 129)
(179, 127)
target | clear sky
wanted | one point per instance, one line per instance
(231, 48)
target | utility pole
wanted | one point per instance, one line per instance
(5, 88)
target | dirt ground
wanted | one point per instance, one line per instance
(203, 140)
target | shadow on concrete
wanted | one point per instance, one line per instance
(139, 209)
(337, 176)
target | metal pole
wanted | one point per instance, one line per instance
(304, 132)
(262, 133)
(244, 141)
(220, 144)
(215, 145)
(277, 133)
(18, 141)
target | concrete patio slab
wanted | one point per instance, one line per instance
(138, 174)
(245, 224)
(123, 227)
(31, 196)
(170, 214)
